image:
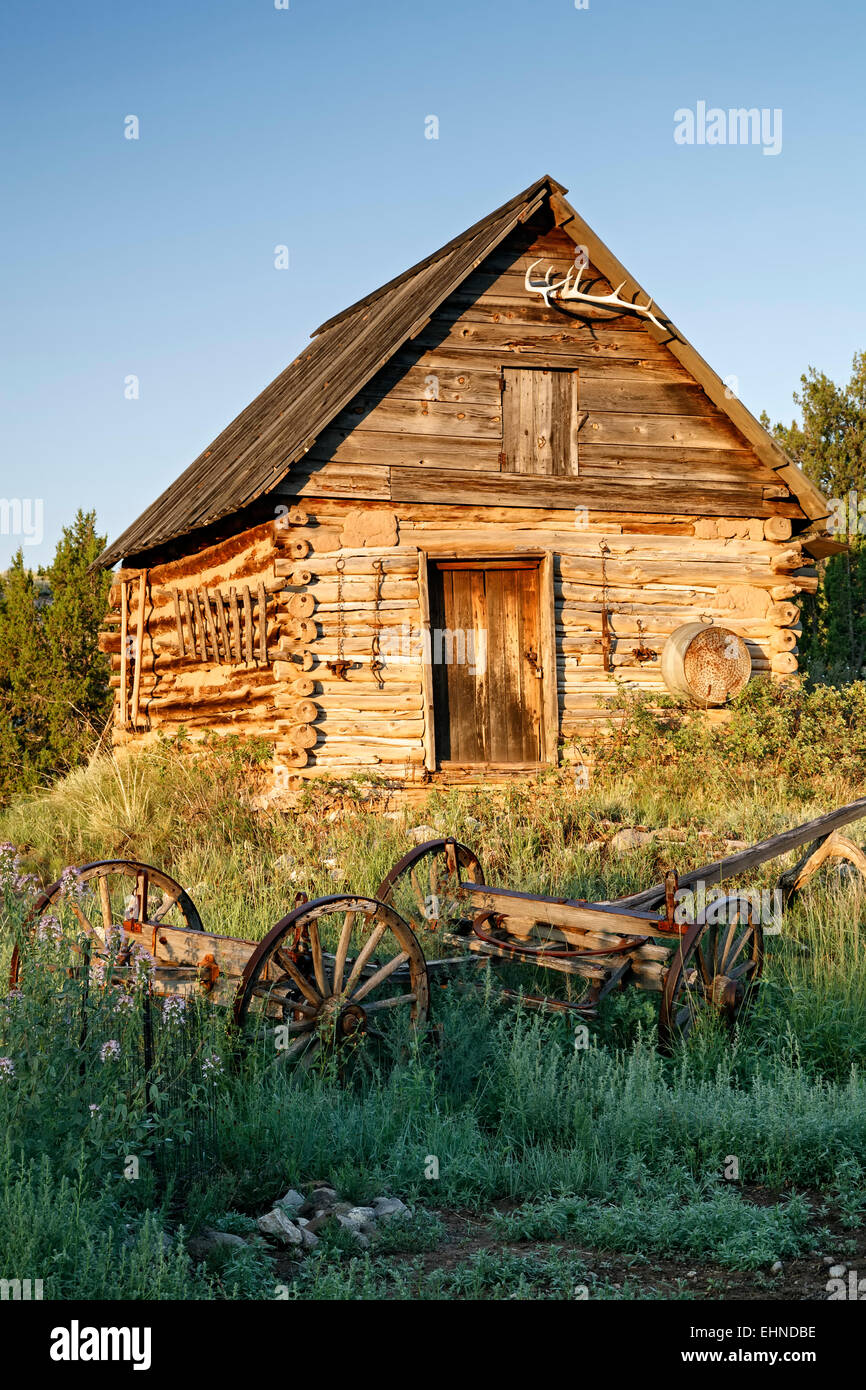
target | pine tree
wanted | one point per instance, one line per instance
(54, 682)
(829, 444)
(81, 699)
(25, 682)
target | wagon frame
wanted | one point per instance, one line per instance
(334, 968)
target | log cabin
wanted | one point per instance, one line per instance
(482, 499)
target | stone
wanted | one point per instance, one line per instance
(354, 1230)
(362, 1217)
(209, 1240)
(776, 1267)
(627, 839)
(420, 833)
(386, 1207)
(838, 1271)
(309, 1239)
(278, 1226)
(293, 1200)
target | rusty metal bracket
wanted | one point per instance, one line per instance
(208, 973)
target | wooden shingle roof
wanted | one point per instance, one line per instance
(259, 447)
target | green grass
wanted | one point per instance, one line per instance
(611, 1148)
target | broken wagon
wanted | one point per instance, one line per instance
(339, 969)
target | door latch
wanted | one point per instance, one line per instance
(532, 658)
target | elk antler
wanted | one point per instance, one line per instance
(568, 289)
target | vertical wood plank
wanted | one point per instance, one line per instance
(248, 625)
(139, 646)
(124, 658)
(236, 625)
(542, 385)
(178, 623)
(532, 681)
(263, 623)
(220, 602)
(186, 606)
(211, 626)
(547, 640)
(201, 630)
(426, 668)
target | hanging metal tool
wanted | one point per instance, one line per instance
(340, 666)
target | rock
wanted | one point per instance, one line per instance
(471, 823)
(316, 1223)
(362, 1217)
(838, 1271)
(386, 1207)
(277, 1225)
(309, 1239)
(625, 840)
(732, 846)
(595, 845)
(321, 1199)
(293, 1201)
(420, 833)
(208, 1240)
(776, 1267)
(354, 1230)
(828, 1260)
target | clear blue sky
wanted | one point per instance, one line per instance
(305, 127)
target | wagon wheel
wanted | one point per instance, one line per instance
(712, 972)
(424, 887)
(331, 974)
(90, 900)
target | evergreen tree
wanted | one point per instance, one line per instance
(81, 699)
(25, 682)
(829, 444)
(54, 681)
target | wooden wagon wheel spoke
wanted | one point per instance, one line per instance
(364, 955)
(381, 975)
(342, 951)
(142, 885)
(294, 974)
(295, 1049)
(318, 964)
(105, 902)
(722, 955)
(395, 1002)
(704, 968)
(729, 960)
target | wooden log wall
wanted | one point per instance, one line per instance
(344, 684)
(192, 642)
(665, 515)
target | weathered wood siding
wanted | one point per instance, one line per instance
(428, 428)
(663, 515)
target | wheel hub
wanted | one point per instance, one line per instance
(727, 994)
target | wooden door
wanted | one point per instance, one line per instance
(486, 662)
